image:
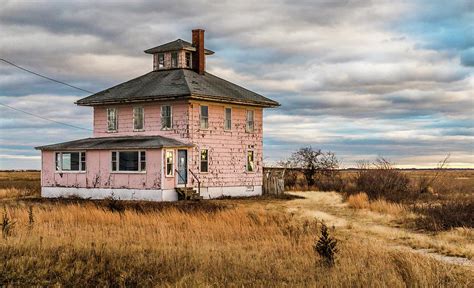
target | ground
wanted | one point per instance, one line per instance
(261, 241)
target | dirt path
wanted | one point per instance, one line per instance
(330, 208)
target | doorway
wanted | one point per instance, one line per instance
(182, 167)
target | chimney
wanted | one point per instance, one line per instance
(199, 58)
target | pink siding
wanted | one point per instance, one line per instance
(98, 174)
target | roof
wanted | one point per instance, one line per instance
(178, 44)
(123, 142)
(177, 84)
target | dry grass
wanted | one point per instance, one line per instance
(86, 245)
(361, 201)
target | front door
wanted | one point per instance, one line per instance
(182, 167)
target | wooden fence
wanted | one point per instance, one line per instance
(273, 181)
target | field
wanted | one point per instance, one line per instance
(260, 241)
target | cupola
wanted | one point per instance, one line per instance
(180, 54)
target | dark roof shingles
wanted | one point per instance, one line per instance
(175, 45)
(123, 142)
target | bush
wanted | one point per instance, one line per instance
(444, 216)
(326, 247)
(381, 180)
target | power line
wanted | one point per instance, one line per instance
(46, 77)
(44, 118)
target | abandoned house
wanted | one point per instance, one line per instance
(175, 132)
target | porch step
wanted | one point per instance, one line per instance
(187, 193)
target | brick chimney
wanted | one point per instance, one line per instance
(199, 59)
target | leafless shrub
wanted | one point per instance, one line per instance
(444, 216)
(427, 182)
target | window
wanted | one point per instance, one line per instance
(174, 60)
(188, 59)
(161, 60)
(128, 161)
(250, 161)
(70, 161)
(228, 119)
(111, 119)
(169, 163)
(166, 117)
(138, 118)
(250, 121)
(204, 117)
(204, 161)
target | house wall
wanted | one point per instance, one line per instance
(98, 174)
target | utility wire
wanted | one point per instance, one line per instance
(46, 77)
(51, 79)
(44, 118)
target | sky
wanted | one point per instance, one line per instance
(360, 78)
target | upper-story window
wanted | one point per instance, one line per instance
(138, 118)
(228, 118)
(166, 117)
(70, 161)
(204, 117)
(249, 127)
(161, 60)
(188, 59)
(112, 119)
(174, 59)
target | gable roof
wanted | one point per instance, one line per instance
(123, 142)
(177, 84)
(178, 44)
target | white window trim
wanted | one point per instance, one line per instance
(171, 117)
(246, 161)
(247, 130)
(128, 172)
(200, 117)
(166, 163)
(200, 150)
(116, 119)
(231, 112)
(190, 59)
(61, 163)
(143, 119)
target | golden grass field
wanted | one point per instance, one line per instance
(258, 242)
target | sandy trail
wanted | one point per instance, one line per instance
(330, 208)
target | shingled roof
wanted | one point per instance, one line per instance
(178, 44)
(177, 84)
(124, 142)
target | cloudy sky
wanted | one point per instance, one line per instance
(360, 78)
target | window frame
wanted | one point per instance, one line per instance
(190, 58)
(173, 64)
(171, 117)
(172, 152)
(116, 119)
(247, 161)
(143, 119)
(200, 160)
(117, 161)
(202, 117)
(225, 119)
(249, 129)
(159, 64)
(82, 162)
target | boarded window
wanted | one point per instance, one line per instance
(161, 61)
(169, 163)
(250, 161)
(250, 121)
(111, 119)
(204, 117)
(228, 119)
(128, 161)
(166, 117)
(188, 59)
(174, 60)
(138, 118)
(204, 160)
(70, 161)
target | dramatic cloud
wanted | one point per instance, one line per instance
(361, 78)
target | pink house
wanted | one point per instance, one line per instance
(175, 128)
